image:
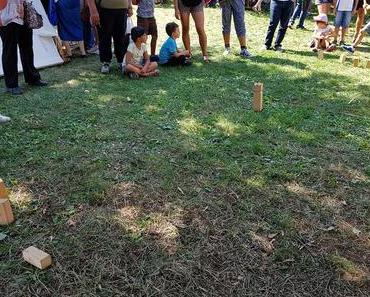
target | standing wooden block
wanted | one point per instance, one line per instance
(320, 54)
(37, 257)
(6, 213)
(343, 58)
(368, 64)
(356, 62)
(3, 190)
(258, 97)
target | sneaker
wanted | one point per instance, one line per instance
(266, 48)
(93, 51)
(301, 27)
(105, 68)
(279, 48)
(244, 53)
(227, 51)
(4, 119)
(14, 91)
(121, 68)
(206, 59)
(133, 75)
(187, 62)
(349, 48)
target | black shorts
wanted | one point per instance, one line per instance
(149, 25)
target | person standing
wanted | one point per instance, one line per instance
(13, 33)
(195, 8)
(110, 17)
(280, 12)
(235, 9)
(301, 11)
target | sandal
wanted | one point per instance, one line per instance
(206, 59)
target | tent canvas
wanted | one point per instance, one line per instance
(45, 50)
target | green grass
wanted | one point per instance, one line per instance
(154, 187)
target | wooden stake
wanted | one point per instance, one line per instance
(356, 62)
(320, 54)
(3, 190)
(343, 58)
(37, 257)
(6, 213)
(258, 97)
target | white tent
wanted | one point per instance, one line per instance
(45, 50)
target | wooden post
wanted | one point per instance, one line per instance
(356, 61)
(3, 190)
(320, 54)
(6, 213)
(258, 97)
(37, 257)
(343, 58)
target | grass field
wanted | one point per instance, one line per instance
(173, 186)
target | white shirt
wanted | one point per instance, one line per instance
(345, 5)
(137, 53)
(10, 13)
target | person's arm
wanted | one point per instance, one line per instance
(354, 8)
(257, 7)
(94, 15)
(130, 60)
(147, 62)
(177, 11)
(129, 9)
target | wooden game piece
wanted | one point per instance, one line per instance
(320, 54)
(3, 190)
(356, 61)
(6, 213)
(343, 58)
(37, 257)
(258, 97)
(368, 64)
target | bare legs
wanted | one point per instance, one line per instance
(198, 18)
(323, 8)
(242, 40)
(359, 22)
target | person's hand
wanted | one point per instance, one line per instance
(129, 12)
(257, 7)
(177, 13)
(353, 12)
(95, 19)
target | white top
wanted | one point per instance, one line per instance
(345, 5)
(323, 32)
(137, 53)
(10, 14)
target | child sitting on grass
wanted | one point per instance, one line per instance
(169, 54)
(322, 34)
(136, 61)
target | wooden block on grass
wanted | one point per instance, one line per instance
(37, 257)
(3, 190)
(258, 97)
(6, 213)
(320, 54)
(368, 64)
(356, 61)
(343, 58)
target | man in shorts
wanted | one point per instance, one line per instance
(146, 20)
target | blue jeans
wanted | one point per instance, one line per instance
(280, 12)
(301, 12)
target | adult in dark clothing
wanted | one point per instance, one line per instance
(110, 17)
(14, 33)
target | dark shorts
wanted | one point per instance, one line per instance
(149, 25)
(197, 8)
(321, 2)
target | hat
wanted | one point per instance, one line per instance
(321, 18)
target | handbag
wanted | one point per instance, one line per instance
(32, 19)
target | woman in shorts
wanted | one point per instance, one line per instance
(323, 6)
(183, 10)
(360, 18)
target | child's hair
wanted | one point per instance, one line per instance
(171, 27)
(137, 32)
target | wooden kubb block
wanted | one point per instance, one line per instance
(320, 54)
(258, 97)
(343, 58)
(368, 64)
(3, 190)
(37, 257)
(356, 62)
(6, 213)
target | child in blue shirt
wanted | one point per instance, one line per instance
(169, 54)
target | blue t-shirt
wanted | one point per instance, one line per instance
(168, 48)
